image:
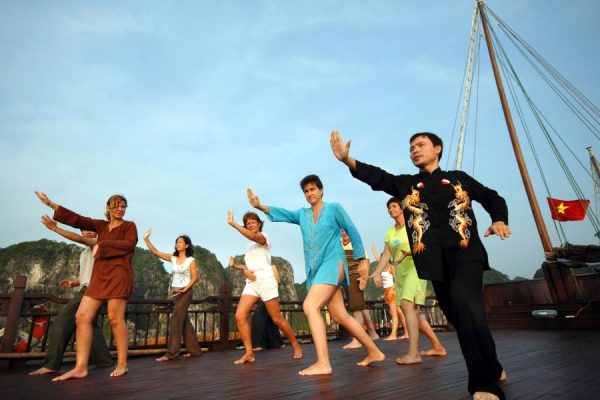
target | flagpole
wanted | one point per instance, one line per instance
(535, 209)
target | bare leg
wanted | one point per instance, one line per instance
(338, 312)
(116, 317)
(363, 318)
(436, 346)
(42, 371)
(241, 318)
(317, 297)
(274, 311)
(354, 343)
(394, 333)
(85, 315)
(503, 376)
(412, 321)
(369, 323)
(402, 321)
(485, 396)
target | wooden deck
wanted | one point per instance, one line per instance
(540, 365)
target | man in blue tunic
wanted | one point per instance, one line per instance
(446, 247)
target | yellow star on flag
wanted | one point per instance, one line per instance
(561, 208)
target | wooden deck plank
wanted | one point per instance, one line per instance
(540, 364)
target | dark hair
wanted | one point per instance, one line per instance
(254, 216)
(189, 250)
(311, 179)
(435, 139)
(393, 200)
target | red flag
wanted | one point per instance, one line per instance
(568, 210)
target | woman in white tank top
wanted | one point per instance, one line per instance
(185, 276)
(260, 284)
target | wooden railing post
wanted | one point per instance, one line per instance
(12, 318)
(224, 306)
(557, 285)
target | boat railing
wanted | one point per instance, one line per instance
(21, 316)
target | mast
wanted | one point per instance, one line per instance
(535, 209)
(596, 176)
(594, 163)
(463, 120)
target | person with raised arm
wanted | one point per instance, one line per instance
(410, 290)
(63, 325)
(445, 245)
(326, 268)
(184, 276)
(355, 291)
(261, 284)
(389, 296)
(111, 281)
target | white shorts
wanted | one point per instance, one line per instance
(265, 288)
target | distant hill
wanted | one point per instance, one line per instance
(46, 262)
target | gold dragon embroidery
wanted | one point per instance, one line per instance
(460, 221)
(418, 219)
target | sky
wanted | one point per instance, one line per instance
(182, 105)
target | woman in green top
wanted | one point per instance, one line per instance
(410, 290)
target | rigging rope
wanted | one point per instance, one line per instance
(583, 101)
(476, 103)
(465, 114)
(507, 66)
(462, 85)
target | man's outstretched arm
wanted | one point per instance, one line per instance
(341, 150)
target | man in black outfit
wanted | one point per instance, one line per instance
(445, 244)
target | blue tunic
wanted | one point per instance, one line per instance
(322, 240)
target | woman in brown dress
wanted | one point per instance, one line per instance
(112, 278)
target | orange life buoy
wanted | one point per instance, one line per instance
(20, 346)
(40, 324)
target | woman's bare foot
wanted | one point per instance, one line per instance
(503, 376)
(75, 373)
(119, 371)
(391, 337)
(164, 358)
(485, 396)
(374, 336)
(44, 371)
(407, 360)
(246, 358)
(354, 344)
(371, 358)
(316, 369)
(434, 352)
(404, 337)
(297, 351)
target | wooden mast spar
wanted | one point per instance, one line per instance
(556, 275)
(535, 209)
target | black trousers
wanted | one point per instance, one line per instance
(265, 333)
(460, 296)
